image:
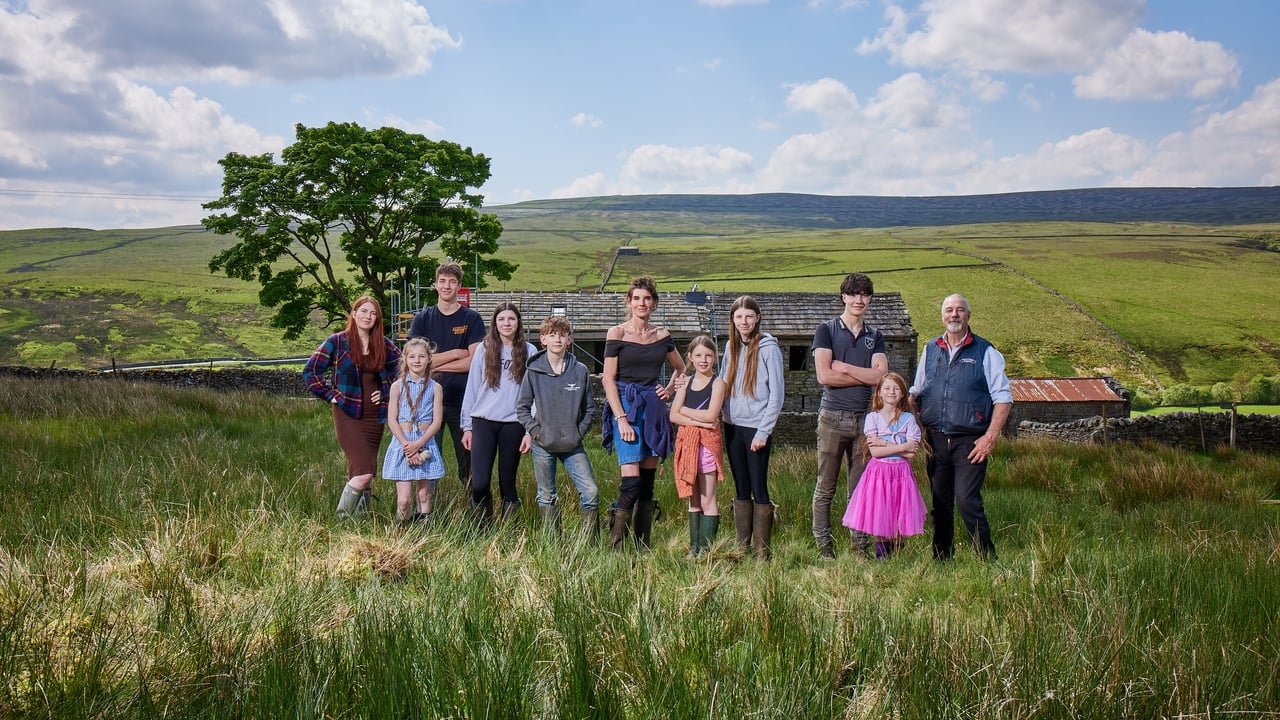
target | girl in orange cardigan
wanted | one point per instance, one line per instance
(699, 445)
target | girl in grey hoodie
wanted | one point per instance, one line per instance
(752, 368)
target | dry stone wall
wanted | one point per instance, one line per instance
(1196, 432)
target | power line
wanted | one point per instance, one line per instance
(102, 195)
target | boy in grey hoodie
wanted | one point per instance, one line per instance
(556, 407)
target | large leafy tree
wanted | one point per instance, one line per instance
(348, 211)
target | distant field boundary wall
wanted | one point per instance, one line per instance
(287, 383)
(1196, 432)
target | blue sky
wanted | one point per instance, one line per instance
(114, 114)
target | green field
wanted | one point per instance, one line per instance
(1150, 303)
(174, 553)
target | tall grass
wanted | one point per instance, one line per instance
(173, 553)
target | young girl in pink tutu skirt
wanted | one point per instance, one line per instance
(887, 504)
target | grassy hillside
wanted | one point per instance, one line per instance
(82, 297)
(1149, 302)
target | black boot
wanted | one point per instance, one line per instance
(619, 527)
(510, 512)
(482, 513)
(646, 511)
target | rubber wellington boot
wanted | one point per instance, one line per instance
(348, 502)
(742, 519)
(550, 515)
(695, 533)
(510, 512)
(710, 526)
(762, 530)
(646, 511)
(619, 527)
(591, 526)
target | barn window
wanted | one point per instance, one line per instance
(799, 359)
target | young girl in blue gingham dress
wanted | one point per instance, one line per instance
(414, 416)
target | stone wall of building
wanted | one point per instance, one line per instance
(1063, 412)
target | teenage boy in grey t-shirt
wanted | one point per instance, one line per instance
(849, 359)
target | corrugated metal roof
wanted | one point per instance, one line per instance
(1062, 390)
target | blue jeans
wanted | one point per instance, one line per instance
(576, 464)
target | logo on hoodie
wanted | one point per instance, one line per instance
(572, 387)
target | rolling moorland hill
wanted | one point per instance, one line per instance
(1154, 286)
(1202, 206)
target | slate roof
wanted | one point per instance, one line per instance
(785, 315)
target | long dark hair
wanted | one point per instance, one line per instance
(493, 348)
(377, 355)
(737, 346)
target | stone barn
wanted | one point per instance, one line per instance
(1060, 400)
(791, 317)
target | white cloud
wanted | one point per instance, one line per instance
(428, 128)
(99, 94)
(15, 150)
(1237, 147)
(281, 39)
(840, 5)
(907, 139)
(831, 100)
(984, 87)
(713, 64)
(730, 3)
(1096, 158)
(1158, 66)
(591, 185)
(587, 120)
(675, 168)
(1007, 35)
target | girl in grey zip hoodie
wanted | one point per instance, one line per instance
(752, 367)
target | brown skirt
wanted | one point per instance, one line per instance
(361, 437)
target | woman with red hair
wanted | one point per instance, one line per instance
(352, 370)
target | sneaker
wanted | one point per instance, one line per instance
(826, 552)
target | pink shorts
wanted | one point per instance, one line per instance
(708, 463)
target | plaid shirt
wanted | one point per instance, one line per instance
(335, 354)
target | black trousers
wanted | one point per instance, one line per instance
(453, 421)
(494, 441)
(750, 468)
(956, 482)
